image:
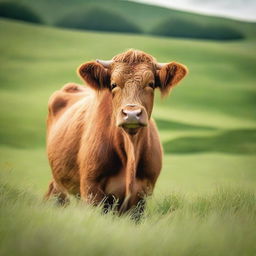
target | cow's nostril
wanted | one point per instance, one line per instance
(138, 112)
(124, 113)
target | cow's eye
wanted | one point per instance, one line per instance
(112, 86)
(152, 85)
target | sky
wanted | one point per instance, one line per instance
(237, 9)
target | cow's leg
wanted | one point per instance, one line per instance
(138, 210)
(110, 203)
(53, 191)
(91, 191)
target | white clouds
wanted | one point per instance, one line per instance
(238, 9)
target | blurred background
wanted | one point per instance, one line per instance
(207, 125)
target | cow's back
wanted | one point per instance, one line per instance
(67, 109)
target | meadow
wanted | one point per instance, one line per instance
(204, 201)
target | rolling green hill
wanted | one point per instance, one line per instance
(18, 11)
(204, 201)
(147, 17)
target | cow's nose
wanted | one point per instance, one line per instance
(132, 116)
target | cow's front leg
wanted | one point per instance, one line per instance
(91, 190)
(138, 211)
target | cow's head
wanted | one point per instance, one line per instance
(132, 77)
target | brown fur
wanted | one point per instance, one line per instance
(89, 154)
(132, 57)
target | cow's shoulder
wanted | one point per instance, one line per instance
(65, 97)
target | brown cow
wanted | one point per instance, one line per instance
(101, 140)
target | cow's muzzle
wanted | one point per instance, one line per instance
(132, 117)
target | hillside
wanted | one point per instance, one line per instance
(204, 201)
(147, 17)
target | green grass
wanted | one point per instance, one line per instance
(233, 141)
(219, 224)
(204, 202)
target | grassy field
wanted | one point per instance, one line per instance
(204, 202)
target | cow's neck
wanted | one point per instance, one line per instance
(133, 146)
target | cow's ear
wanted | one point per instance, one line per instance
(95, 75)
(169, 75)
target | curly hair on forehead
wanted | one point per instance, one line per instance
(133, 56)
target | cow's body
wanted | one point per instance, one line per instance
(102, 143)
(82, 141)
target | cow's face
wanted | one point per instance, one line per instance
(132, 85)
(132, 89)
